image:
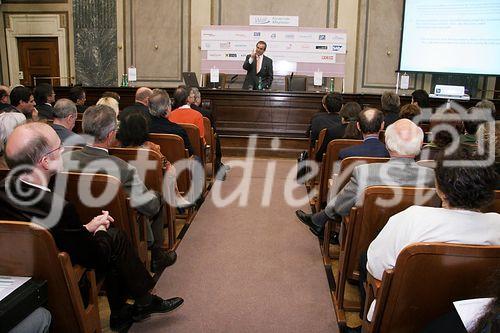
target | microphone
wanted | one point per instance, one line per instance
(233, 78)
(290, 82)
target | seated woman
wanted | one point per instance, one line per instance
(133, 133)
(347, 129)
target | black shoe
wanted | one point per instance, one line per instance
(307, 220)
(161, 259)
(121, 321)
(334, 237)
(157, 305)
(352, 329)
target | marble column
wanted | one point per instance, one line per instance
(95, 42)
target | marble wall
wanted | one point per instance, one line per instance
(95, 31)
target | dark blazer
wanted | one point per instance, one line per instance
(390, 118)
(81, 108)
(135, 107)
(165, 126)
(45, 111)
(335, 132)
(92, 251)
(266, 73)
(323, 120)
(68, 138)
(4, 106)
(205, 113)
(371, 147)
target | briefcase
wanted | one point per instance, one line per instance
(22, 302)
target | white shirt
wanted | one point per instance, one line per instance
(429, 224)
(258, 65)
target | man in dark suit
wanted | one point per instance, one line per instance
(141, 104)
(21, 98)
(259, 68)
(370, 123)
(390, 103)
(159, 109)
(100, 123)
(4, 98)
(25, 196)
(64, 120)
(44, 97)
(78, 96)
(332, 103)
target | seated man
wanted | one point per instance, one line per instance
(183, 113)
(159, 108)
(141, 104)
(332, 103)
(8, 122)
(23, 101)
(25, 196)
(65, 114)
(100, 122)
(390, 104)
(464, 191)
(44, 97)
(370, 123)
(403, 140)
(4, 98)
(78, 96)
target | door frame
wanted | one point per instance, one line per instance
(36, 25)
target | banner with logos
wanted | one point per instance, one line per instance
(270, 20)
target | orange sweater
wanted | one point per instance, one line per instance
(188, 116)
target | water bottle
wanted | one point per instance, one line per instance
(259, 84)
(124, 80)
(331, 85)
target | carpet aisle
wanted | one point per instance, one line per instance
(248, 268)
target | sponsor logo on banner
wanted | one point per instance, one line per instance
(256, 34)
(273, 36)
(269, 20)
(328, 57)
(231, 55)
(337, 47)
(321, 47)
(289, 36)
(322, 37)
(225, 45)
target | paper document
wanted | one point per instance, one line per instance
(132, 74)
(405, 81)
(214, 75)
(318, 78)
(10, 283)
(471, 309)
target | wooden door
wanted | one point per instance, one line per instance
(38, 57)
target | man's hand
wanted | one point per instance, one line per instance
(100, 222)
(252, 55)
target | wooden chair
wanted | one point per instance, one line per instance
(78, 126)
(427, 279)
(327, 165)
(126, 218)
(364, 223)
(193, 133)
(153, 179)
(29, 250)
(210, 140)
(339, 180)
(312, 154)
(172, 147)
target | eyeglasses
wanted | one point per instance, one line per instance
(52, 151)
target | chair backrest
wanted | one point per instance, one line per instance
(118, 205)
(29, 250)
(153, 177)
(172, 147)
(329, 158)
(209, 132)
(193, 133)
(78, 126)
(368, 219)
(297, 83)
(319, 142)
(427, 279)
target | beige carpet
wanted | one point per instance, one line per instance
(247, 269)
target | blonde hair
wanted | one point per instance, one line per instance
(111, 102)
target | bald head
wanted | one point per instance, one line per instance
(142, 95)
(370, 121)
(29, 143)
(403, 138)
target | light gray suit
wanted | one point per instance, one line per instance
(396, 172)
(148, 203)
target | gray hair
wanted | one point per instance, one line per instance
(407, 141)
(159, 103)
(64, 108)
(195, 91)
(33, 149)
(98, 121)
(9, 121)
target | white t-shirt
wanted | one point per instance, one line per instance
(429, 224)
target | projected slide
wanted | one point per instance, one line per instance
(451, 36)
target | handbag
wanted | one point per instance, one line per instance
(303, 167)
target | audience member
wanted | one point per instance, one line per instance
(79, 97)
(111, 102)
(111, 94)
(470, 125)
(159, 108)
(93, 244)
(488, 145)
(23, 101)
(100, 123)
(65, 114)
(464, 191)
(37, 321)
(4, 98)
(332, 104)
(486, 104)
(409, 111)
(370, 123)
(346, 129)
(403, 140)
(446, 128)
(142, 96)
(420, 98)
(184, 113)
(44, 98)
(8, 122)
(390, 107)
